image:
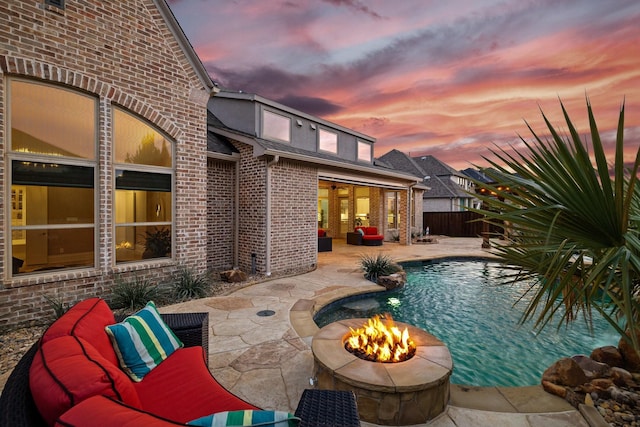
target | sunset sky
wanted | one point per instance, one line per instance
(448, 78)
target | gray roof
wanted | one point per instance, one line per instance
(218, 143)
(432, 166)
(443, 187)
(400, 161)
(476, 175)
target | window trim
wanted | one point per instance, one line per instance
(327, 132)
(272, 137)
(12, 156)
(359, 145)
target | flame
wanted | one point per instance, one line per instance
(380, 342)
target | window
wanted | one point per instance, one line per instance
(275, 126)
(364, 151)
(393, 220)
(52, 138)
(323, 208)
(143, 200)
(362, 206)
(328, 141)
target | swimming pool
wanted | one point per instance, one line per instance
(456, 300)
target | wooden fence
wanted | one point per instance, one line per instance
(455, 224)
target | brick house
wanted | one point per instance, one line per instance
(296, 173)
(104, 145)
(123, 161)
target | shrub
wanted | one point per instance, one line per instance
(57, 304)
(188, 285)
(132, 295)
(379, 265)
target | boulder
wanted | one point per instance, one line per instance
(591, 368)
(233, 276)
(609, 355)
(629, 355)
(565, 372)
(393, 281)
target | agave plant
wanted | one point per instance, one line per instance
(572, 220)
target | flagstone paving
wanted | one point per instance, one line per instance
(267, 360)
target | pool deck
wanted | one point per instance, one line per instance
(268, 360)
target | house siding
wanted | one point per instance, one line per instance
(123, 53)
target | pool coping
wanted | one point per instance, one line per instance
(528, 399)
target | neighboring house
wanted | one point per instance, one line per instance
(104, 141)
(115, 169)
(294, 173)
(449, 190)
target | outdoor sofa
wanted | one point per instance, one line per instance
(367, 236)
(74, 376)
(325, 243)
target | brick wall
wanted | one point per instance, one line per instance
(220, 214)
(294, 207)
(123, 53)
(252, 216)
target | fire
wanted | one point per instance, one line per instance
(379, 341)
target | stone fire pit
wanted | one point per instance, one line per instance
(410, 392)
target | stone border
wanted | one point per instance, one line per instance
(528, 399)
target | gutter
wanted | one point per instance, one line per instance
(270, 163)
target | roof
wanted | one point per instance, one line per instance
(476, 175)
(432, 166)
(400, 161)
(443, 187)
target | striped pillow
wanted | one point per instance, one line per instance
(142, 341)
(247, 418)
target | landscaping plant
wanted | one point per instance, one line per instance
(376, 266)
(188, 285)
(571, 220)
(132, 295)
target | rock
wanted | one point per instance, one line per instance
(233, 276)
(622, 377)
(565, 372)
(393, 281)
(609, 355)
(630, 357)
(554, 389)
(591, 368)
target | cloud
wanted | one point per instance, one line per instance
(310, 105)
(355, 5)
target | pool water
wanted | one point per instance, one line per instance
(457, 301)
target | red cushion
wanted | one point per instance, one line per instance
(182, 389)
(371, 230)
(372, 237)
(100, 411)
(86, 320)
(67, 370)
(322, 233)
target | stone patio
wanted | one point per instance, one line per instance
(267, 360)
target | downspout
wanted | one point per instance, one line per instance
(270, 163)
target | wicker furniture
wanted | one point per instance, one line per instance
(321, 408)
(316, 407)
(17, 407)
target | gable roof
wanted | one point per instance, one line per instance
(432, 166)
(400, 161)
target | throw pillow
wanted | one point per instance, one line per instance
(361, 231)
(142, 341)
(247, 418)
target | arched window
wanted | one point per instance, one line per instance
(143, 202)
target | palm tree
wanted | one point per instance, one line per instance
(573, 226)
